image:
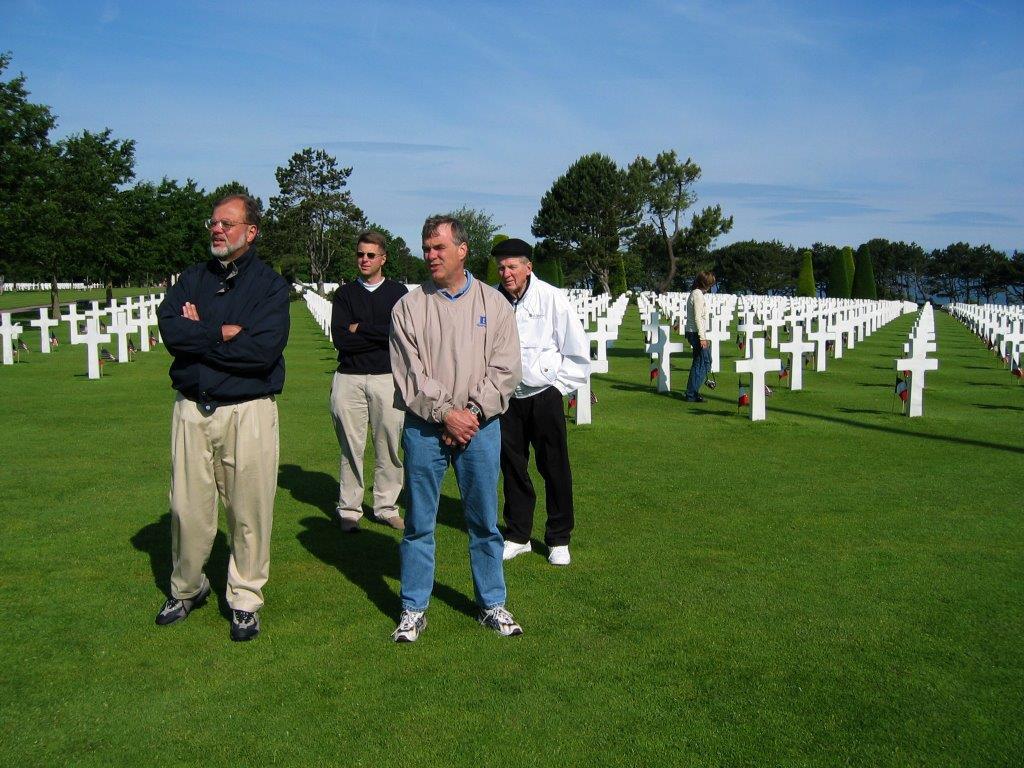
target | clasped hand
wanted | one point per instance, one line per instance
(459, 427)
(228, 331)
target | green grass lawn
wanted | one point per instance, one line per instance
(17, 299)
(838, 585)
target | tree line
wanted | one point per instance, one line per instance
(69, 210)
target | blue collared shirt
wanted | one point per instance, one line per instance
(453, 296)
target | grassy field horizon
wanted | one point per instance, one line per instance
(837, 585)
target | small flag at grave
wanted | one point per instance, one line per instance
(53, 341)
(654, 373)
(152, 340)
(784, 372)
(22, 346)
(593, 399)
(740, 343)
(807, 359)
(744, 398)
(105, 355)
(572, 400)
(901, 389)
(1016, 370)
(768, 391)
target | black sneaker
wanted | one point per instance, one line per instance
(694, 399)
(244, 625)
(176, 610)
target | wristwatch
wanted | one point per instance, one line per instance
(475, 410)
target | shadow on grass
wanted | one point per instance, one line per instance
(990, 407)
(155, 540)
(366, 557)
(907, 433)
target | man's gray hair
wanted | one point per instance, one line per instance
(431, 225)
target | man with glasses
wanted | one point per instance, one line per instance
(225, 322)
(455, 356)
(363, 390)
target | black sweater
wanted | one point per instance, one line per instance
(366, 350)
(207, 369)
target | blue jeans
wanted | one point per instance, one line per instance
(700, 368)
(476, 470)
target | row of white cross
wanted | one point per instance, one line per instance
(921, 342)
(836, 323)
(122, 319)
(600, 311)
(1000, 326)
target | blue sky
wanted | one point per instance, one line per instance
(811, 121)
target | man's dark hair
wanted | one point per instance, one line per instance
(373, 237)
(430, 227)
(252, 207)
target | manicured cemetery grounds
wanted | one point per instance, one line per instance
(836, 585)
(16, 299)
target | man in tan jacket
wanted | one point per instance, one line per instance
(456, 361)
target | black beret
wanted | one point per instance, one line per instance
(512, 247)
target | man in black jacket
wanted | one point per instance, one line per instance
(226, 324)
(363, 390)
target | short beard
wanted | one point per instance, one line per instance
(226, 251)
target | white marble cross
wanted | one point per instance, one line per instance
(664, 349)
(772, 323)
(916, 365)
(44, 324)
(757, 365)
(122, 328)
(601, 336)
(796, 348)
(748, 328)
(72, 317)
(92, 338)
(650, 328)
(820, 337)
(8, 333)
(716, 333)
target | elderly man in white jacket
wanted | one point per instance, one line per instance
(556, 361)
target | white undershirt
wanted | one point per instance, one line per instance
(371, 287)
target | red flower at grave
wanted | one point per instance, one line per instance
(744, 398)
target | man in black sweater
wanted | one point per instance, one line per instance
(226, 324)
(363, 390)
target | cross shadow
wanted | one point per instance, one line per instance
(990, 407)
(155, 540)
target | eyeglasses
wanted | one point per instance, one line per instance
(368, 255)
(224, 223)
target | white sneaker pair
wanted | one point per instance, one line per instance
(556, 555)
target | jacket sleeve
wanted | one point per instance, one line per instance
(504, 364)
(700, 314)
(180, 335)
(262, 339)
(346, 342)
(573, 345)
(422, 395)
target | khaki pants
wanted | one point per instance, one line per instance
(231, 454)
(358, 400)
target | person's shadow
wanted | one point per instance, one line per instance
(366, 558)
(155, 540)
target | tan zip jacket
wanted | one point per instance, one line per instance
(447, 354)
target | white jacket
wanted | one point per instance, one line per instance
(555, 348)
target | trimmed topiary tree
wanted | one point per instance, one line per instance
(849, 266)
(805, 285)
(864, 286)
(838, 282)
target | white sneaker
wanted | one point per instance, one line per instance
(500, 620)
(410, 625)
(514, 550)
(559, 555)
